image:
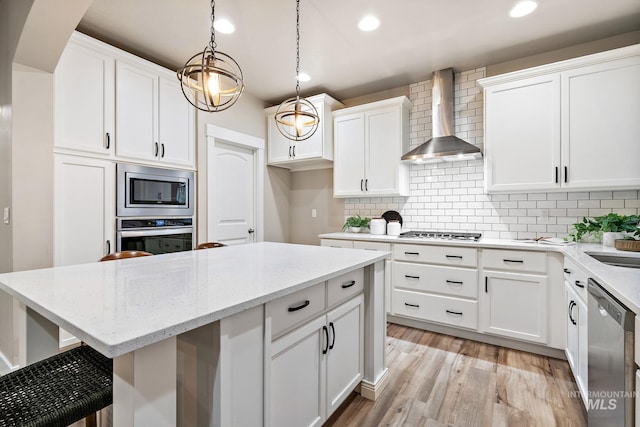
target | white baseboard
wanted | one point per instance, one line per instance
(372, 391)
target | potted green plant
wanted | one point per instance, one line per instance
(612, 227)
(356, 223)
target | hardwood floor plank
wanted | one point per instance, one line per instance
(438, 380)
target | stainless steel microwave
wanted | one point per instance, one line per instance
(153, 192)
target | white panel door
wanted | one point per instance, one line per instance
(600, 113)
(515, 306)
(136, 111)
(84, 97)
(175, 124)
(298, 369)
(349, 155)
(522, 135)
(382, 132)
(345, 356)
(84, 209)
(232, 194)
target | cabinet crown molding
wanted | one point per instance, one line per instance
(568, 64)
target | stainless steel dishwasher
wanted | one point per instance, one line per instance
(611, 364)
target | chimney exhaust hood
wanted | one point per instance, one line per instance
(443, 146)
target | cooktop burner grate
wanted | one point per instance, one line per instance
(445, 235)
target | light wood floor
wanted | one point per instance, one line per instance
(438, 380)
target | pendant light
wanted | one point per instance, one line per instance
(211, 80)
(297, 118)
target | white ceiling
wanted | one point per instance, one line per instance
(415, 37)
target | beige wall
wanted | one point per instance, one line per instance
(32, 163)
(313, 190)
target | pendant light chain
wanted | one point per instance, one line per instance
(212, 42)
(298, 48)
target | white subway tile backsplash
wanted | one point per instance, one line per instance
(450, 196)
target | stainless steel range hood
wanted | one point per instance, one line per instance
(443, 146)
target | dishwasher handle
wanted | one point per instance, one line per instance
(614, 308)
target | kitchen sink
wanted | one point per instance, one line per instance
(616, 260)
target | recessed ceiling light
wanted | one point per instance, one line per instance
(224, 26)
(304, 77)
(369, 23)
(523, 8)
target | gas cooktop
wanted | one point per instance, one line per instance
(445, 235)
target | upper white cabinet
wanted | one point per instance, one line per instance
(369, 141)
(109, 102)
(568, 125)
(313, 153)
(84, 97)
(154, 122)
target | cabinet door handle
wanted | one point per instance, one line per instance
(566, 270)
(326, 340)
(294, 151)
(333, 336)
(156, 152)
(486, 284)
(412, 305)
(454, 282)
(411, 277)
(453, 256)
(557, 174)
(566, 174)
(361, 185)
(457, 313)
(366, 184)
(299, 307)
(578, 284)
(571, 305)
(162, 155)
(514, 261)
(348, 284)
(412, 253)
(107, 140)
(289, 151)
(108, 247)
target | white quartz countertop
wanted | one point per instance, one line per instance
(121, 306)
(621, 282)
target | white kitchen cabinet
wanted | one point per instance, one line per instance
(313, 153)
(84, 213)
(369, 141)
(564, 126)
(522, 134)
(84, 98)
(577, 325)
(154, 122)
(515, 305)
(84, 209)
(315, 367)
(600, 110)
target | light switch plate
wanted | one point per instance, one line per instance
(6, 217)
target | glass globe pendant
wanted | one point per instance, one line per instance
(211, 80)
(296, 118)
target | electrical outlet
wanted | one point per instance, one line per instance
(6, 217)
(544, 215)
(314, 213)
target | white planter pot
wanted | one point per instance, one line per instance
(609, 238)
(355, 229)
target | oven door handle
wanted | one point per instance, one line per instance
(155, 232)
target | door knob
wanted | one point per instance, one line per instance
(251, 231)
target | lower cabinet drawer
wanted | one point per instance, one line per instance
(342, 287)
(525, 261)
(335, 243)
(298, 307)
(459, 282)
(436, 308)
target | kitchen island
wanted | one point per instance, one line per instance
(217, 308)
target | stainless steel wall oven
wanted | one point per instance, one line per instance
(155, 235)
